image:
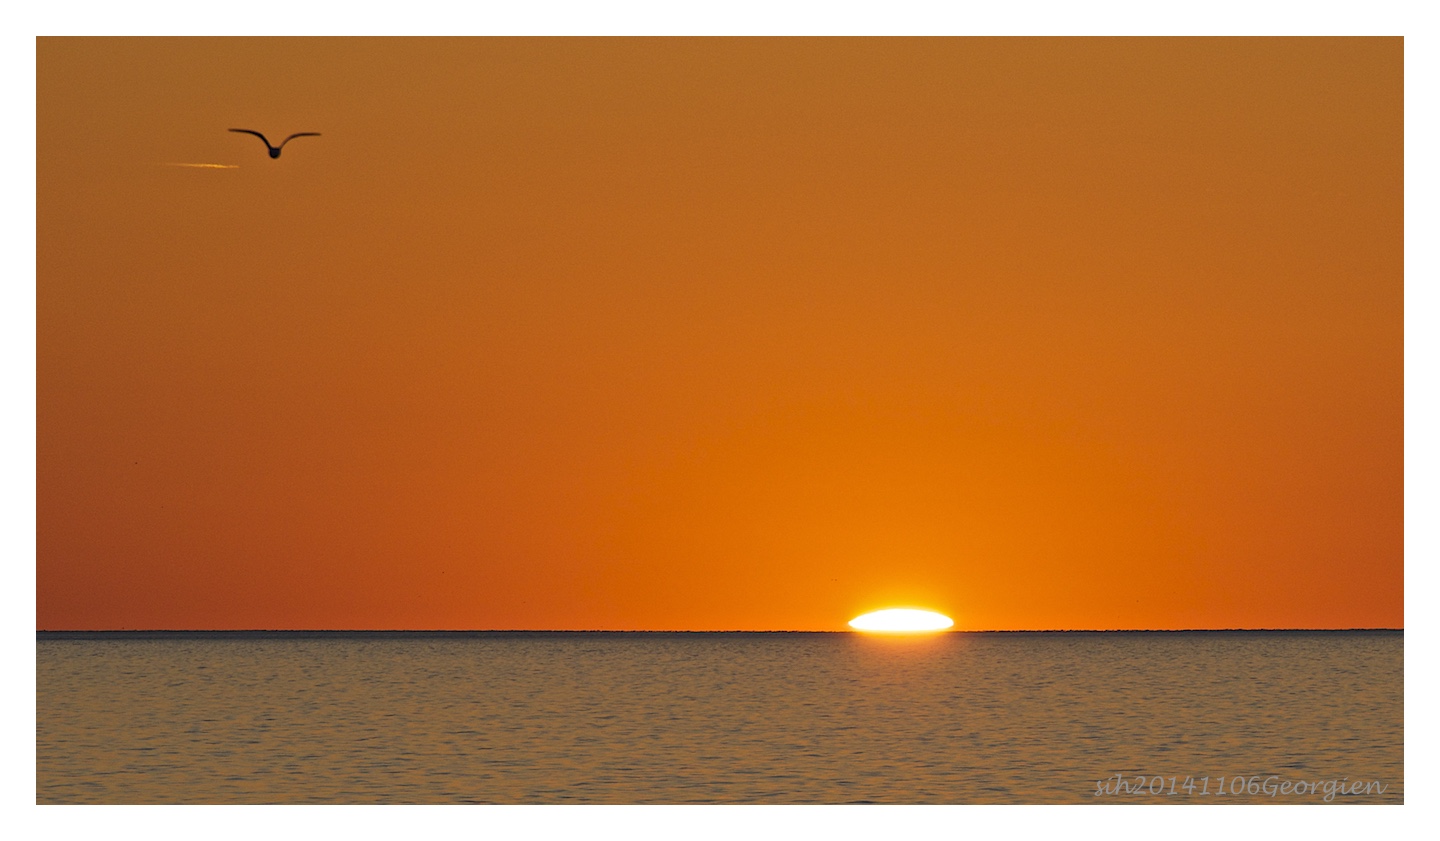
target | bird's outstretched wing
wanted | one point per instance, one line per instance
(298, 134)
(256, 133)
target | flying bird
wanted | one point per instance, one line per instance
(275, 150)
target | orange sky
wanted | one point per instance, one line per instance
(720, 334)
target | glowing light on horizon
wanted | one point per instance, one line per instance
(206, 166)
(902, 620)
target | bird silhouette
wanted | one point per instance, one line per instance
(275, 150)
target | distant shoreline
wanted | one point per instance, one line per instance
(432, 634)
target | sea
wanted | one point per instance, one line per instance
(254, 717)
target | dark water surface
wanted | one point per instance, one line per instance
(718, 718)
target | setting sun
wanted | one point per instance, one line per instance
(902, 620)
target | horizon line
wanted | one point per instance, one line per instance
(338, 631)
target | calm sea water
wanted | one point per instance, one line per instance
(719, 718)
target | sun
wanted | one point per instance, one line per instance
(902, 620)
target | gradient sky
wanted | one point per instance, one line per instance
(720, 334)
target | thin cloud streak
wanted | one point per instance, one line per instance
(206, 166)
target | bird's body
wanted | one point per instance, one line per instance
(275, 150)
